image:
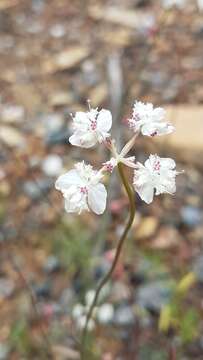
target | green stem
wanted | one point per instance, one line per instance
(107, 277)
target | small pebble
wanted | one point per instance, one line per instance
(191, 216)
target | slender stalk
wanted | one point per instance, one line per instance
(107, 277)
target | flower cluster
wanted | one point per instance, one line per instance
(103, 313)
(82, 186)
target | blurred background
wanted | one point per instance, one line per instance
(56, 54)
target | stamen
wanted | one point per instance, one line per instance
(84, 190)
(93, 124)
(89, 104)
(157, 165)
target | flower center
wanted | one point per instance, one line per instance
(136, 116)
(109, 167)
(83, 190)
(93, 124)
(154, 133)
(132, 122)
(157, 165)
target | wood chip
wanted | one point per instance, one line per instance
(65, 60)
(99, 94)
(120, 16)
(11, 136)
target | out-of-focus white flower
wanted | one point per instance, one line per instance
(81, 323)
(82, 189)
(89, 297)
(155, 177)
(149, 120)
(79, 314)
(105, 313)
(91, 127)
(80, 311)
(167, 4)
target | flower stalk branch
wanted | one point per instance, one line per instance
(107, 277)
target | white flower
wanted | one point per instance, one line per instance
(105, 313)
(149, 120)
(91, 127)
(82, 189)
(157, 176)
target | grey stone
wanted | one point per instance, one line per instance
(4, 351)
(35, 189)
(52, 264)
(124, 315)
(198, 268)
(6, 287)
(153, 296)
(191, 216)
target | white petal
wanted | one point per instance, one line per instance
(81, 117)
(168, 162)
(76, 207)
(68, 179)
(148, 129)
(104, 120)
(83, 139)
(149, 163)
(97, 198)
(146, 192)
(75, 139)
(70, 207)
(159, 113)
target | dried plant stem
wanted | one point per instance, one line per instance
(107, 277)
